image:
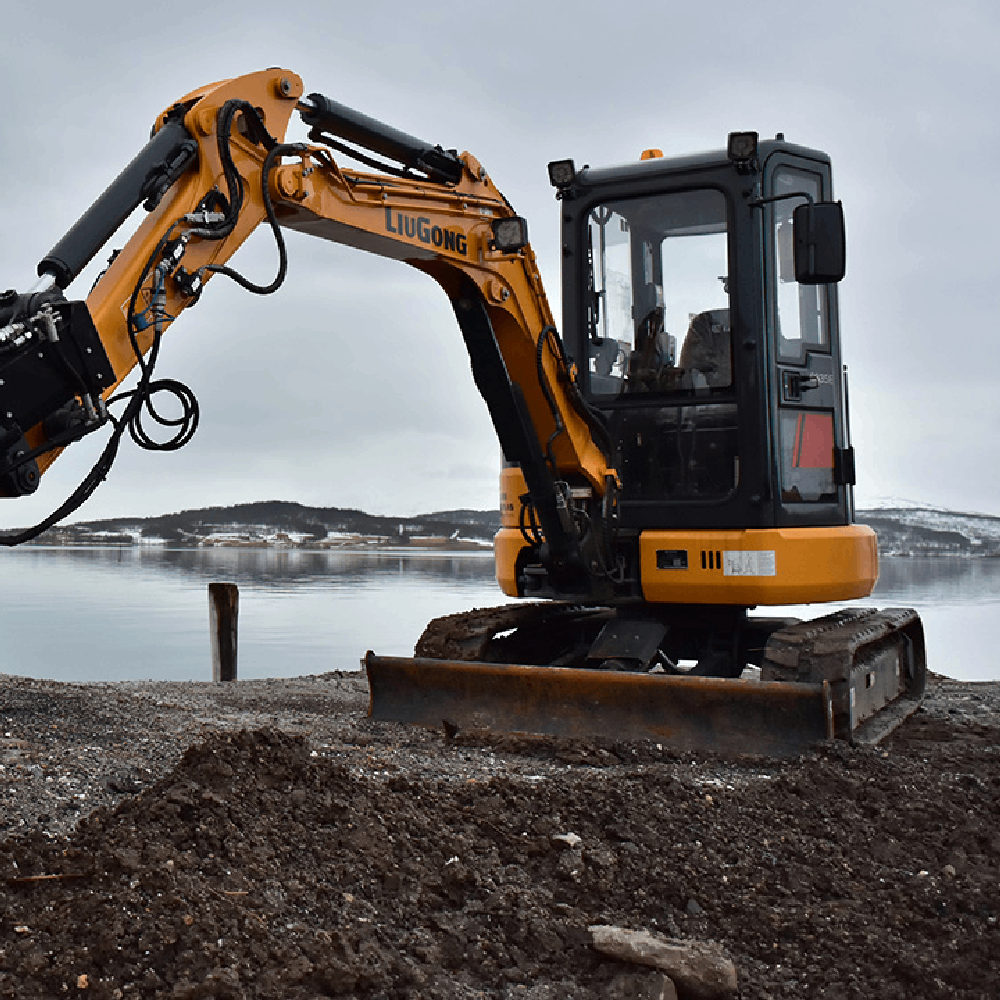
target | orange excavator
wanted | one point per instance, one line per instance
(676, 453)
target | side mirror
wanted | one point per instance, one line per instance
(820, 242)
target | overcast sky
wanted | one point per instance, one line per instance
(351, 386)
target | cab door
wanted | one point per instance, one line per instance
(813, 464)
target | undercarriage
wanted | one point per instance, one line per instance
(711, 678)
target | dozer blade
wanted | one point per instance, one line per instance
(698, 713)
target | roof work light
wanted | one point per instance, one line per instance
(742, 151)
(561, 173)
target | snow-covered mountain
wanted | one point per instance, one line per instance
(909, 528)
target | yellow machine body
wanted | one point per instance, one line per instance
(744, 567)
(747, 567)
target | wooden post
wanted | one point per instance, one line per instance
(223, 611)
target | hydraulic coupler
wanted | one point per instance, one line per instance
(53, 369)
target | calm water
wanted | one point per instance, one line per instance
(116, 614)
(125, 613)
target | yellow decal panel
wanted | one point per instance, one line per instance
(758, 566)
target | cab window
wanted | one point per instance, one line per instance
(801, 319)
(658, 343)
(658, 309)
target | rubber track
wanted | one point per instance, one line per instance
(466, 635)
(830, 648)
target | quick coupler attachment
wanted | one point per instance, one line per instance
(50, 356)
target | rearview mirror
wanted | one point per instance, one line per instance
(820, 242)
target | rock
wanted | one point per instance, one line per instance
(694, 909)
(570, 840)
(570, 864)
(700, 970)
(641, 986)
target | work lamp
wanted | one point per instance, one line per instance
(510, 234)
(561, 173)
(742, 151)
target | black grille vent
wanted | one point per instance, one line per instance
(711, 559)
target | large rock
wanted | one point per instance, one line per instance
(700, 970)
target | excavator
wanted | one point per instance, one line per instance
(676, 454)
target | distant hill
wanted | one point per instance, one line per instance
(279, 522)
(905, 529)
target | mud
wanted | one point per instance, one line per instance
(321, 855)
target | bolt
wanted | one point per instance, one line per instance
(285, 86)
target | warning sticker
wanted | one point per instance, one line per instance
(736, 562)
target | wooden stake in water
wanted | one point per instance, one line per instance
(223, 611)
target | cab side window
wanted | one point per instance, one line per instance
(801, 319)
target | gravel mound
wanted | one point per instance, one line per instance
(264, 839)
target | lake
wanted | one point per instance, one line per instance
(121, 613)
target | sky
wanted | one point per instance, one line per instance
(351, 387)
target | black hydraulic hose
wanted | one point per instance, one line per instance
(547, 392)
(369, 161)
(140, 399)
(592, 417)
(526, 522)
(234, 180)
(83, 492)
(268, 165)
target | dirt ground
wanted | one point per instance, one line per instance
(265, 840)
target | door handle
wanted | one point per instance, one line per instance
(793, 384)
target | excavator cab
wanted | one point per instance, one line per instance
(686, 266)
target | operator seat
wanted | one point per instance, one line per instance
(708, 348)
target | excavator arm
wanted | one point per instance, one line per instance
(214, 170)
